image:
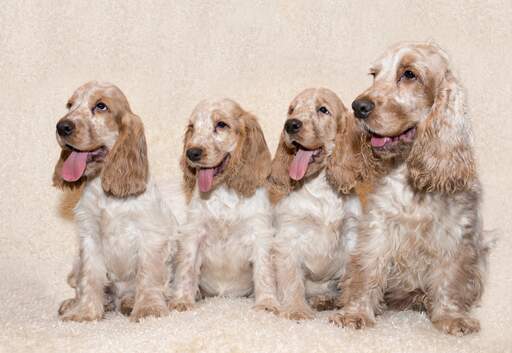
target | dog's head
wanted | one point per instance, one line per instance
(317, 126)
(224, 144)
(414, 111)
(99, 135)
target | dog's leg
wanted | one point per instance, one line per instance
(364, 283)
(263, 272)
(152, 277)
(188, 265)
(457, 283)
(91, 277)
(291, 286)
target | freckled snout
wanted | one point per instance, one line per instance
(65, 127)
(292, 126)
(194, 154)
(362, 107)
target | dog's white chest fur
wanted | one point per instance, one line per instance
(232, 227)
(420, 229)
(318, 226)
(122, 227)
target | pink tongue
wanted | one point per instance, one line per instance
(379, 141)
(300, 164)
(206, 179)
(74, 166)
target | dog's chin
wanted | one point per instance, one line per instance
(398, 152)
(391, 146)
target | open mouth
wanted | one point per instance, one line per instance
(303, 158)
(206, 175)
(381, 142)
(75, 165)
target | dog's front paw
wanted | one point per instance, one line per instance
(67, 305)
(298, 313)
(81, 312)
(141, 311)
(457, 326)
(352, 320)
(269, 305)
(181, 306)
(126, 305)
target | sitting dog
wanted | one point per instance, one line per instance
(225, 241)
(420, 245)
(125, 229)
(315, 222)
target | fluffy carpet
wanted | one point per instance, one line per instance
(166, 56)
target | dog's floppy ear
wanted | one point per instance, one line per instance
(279, 181)
(441, 159)
(350, 160)
(251, 161)
(57, 179)
(189, 174)
(125, 172)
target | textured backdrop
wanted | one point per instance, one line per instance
(166, 56)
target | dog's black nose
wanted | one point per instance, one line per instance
(194, 154)
(362, 108)
(292, 126)
(65, 128)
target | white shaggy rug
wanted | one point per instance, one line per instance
(29, 324)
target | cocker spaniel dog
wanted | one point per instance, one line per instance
(224, 244)
(315, 223)
(421, 243)
(125, 231)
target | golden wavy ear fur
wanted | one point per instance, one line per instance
(189, 176)
(125, 171)
(57, 179)
(279, 181)
(251, 162)
(441, 159)
(351, 159)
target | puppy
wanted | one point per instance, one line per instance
(315, 223)
(125, 231)
(225, 242)
(420, 245)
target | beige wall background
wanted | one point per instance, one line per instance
(166, 56)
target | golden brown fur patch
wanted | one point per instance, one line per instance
(280, 183)
(352, 160)
(441, 159)
(126, 168)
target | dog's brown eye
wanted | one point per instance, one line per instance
(69, 105)
(409, 75)
(221, 125)
(323, 110)
(101, 106)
